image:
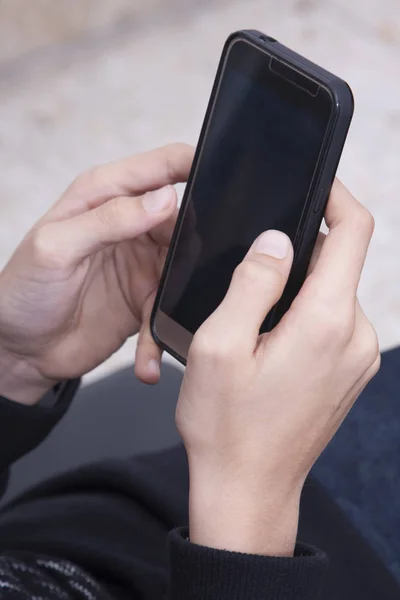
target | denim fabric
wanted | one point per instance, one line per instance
(361, 466)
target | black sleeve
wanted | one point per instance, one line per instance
(199, 573)
(22, 427)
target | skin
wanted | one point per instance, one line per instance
(83, 279)
(254, 412)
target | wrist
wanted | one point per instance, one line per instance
(244, 513)
(20, 381)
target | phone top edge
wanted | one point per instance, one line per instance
(340, 90)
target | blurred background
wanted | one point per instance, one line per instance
(87, 81)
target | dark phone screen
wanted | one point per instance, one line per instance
(254, 173)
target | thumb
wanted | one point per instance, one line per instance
(257, 284)
(119, 219)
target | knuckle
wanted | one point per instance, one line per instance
(366, 221)
(223, 356)
(44, 247)
(370, 352)
(201, 345)
(84, 180)
(339, 331)
(114, 211)
(332, 327)
(176, 155)
(178, 147)
(211, 349)
(249, 270)
(376, 365)
(255, 274)
(364, 350)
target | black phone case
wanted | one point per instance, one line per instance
(322, 183)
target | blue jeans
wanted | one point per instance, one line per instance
(361, 466)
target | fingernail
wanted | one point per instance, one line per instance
(157, 200)
(274, 243)
(153, 367)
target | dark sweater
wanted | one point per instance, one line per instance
(102, 532)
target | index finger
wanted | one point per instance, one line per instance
(134, 176)
(344, 250)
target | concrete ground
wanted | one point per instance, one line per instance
(143, 79)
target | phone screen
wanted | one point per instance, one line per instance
(254, 172)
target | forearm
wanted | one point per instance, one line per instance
(243, 514)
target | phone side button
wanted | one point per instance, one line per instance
(319, 201)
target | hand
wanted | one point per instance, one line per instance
(255, 412)
(84, 278)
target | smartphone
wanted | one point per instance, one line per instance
(267, 156)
